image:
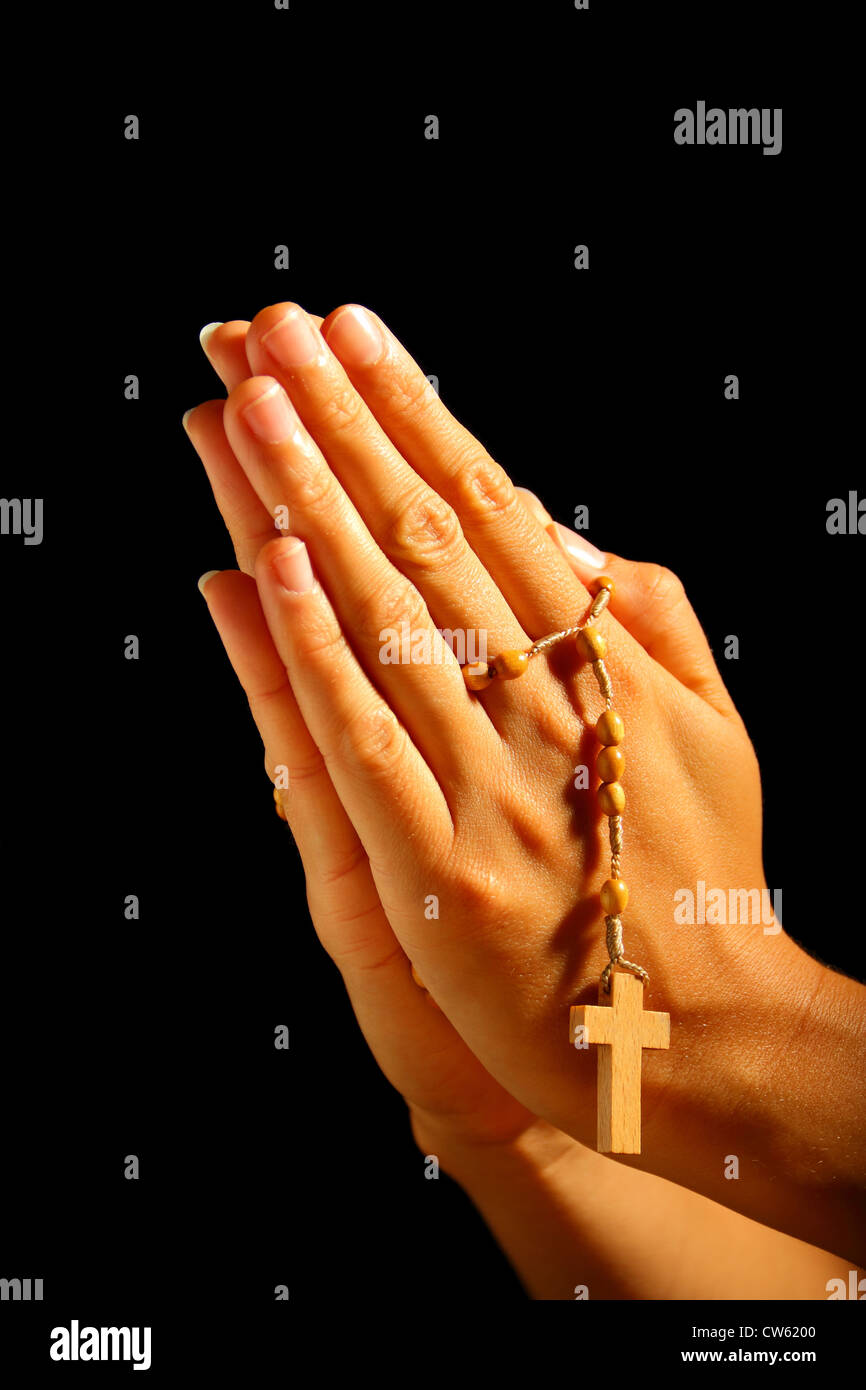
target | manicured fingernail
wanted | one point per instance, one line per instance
(271, 416)
(209, 574)
(293, 568)
(355, 337)
(576, 546)
(186, 415)
(292, 341)
(207, 333)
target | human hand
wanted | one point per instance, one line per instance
(469, 801)
(452, 1100)
(454, 1103)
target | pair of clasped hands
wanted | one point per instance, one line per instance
(402, 784)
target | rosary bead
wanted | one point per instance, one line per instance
(614, 896)
(611, 798)
(477, 675)
(591, 644)
(610, 764)
(610, 728)
(508, 665)
(604, 583)
(279, 805)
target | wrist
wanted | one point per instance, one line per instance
(731, 1035)
(764, 1070)
(467, 1158)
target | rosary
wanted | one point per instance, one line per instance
(618, 1024)
(621, 1029)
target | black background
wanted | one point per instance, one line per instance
(602, 388)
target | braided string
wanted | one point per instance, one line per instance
(613, 925)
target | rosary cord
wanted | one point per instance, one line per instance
(610, 730)
(613, 924)
(545, 643)
(598, 605)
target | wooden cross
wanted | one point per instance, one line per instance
(621, 1032)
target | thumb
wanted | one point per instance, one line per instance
(651, 603)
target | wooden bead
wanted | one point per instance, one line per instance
(591, 644)
(508, 665)
(604, 583)
(614, 896)
(279, 805)
(610, 728)
(611, 798)
(477, 675)
(610, 764)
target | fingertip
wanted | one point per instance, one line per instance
(329, 319)
(355, 336)
(207, 334)
(271, 315)
(273, 547)
(252, 388)
(205, 579)
(287, 561)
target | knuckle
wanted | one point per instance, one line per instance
(380, 961)
(417, 398)
(341, 866)
(426, 531)
(373, 741)
(343, 410)
(260, 699)
(315, 490)
(319, 639)
(483, 489)
(302, 770)
(363, 957)
(662, 588)
(391, 604)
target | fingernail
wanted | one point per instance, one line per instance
(355, 337)
(207, 333)
(209, 574)
(292, 341)
(186, 415)
(271, 416)
(576, 546)
(293, 569)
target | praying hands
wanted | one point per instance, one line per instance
(449, 837)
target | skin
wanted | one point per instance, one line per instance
(402, 784)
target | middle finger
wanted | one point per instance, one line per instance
(414, 525)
